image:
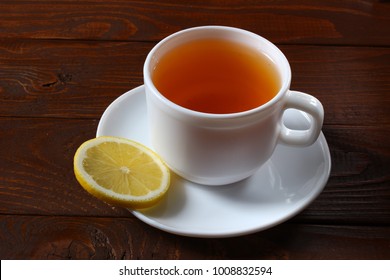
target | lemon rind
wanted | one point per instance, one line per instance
(125, 200)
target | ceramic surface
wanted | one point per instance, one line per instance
(287, 183)
(217, 149)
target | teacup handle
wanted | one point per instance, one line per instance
(312, 106)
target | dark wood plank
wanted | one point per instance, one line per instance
(40, 237)
(358, 190)
(66, 79)
(303, 22)
(62, 63)
(352, 83)
(36, 172)
(70, 79)
(36, 169)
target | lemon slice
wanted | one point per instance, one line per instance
(121, 172)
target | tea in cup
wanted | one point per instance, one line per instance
(215, 100)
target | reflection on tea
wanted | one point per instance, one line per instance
(216, 76)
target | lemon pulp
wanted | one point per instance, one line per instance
(121, 172)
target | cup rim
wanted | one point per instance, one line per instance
(285, 74)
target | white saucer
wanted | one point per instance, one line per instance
(283, 187)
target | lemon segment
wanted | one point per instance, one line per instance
(121, 172)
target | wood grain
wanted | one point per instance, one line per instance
(298, 22)
(66, 79)
(37, 172)
(63, 62)
(37, 168)
(40, 237)
(358, 189)
(73, 79)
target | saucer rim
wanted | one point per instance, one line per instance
(307, 200)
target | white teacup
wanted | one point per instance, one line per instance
(222, 148)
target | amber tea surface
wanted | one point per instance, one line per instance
(216, 76)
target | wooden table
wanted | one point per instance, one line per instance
(63, 62)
